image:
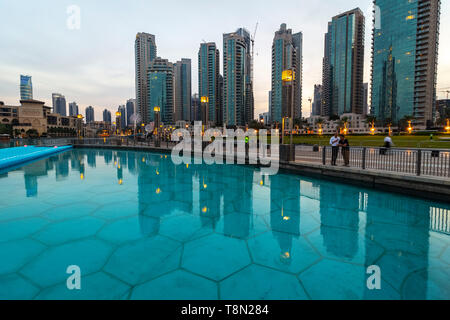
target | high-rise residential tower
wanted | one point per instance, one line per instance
(404, 60)
(286, 55)
(123, 116)
(131, 109)
(238, 102)
(73, 109)
(90, 114)
(161, 90)
(59, 104)
(208, 79)
(145, 53)
(26, 88)
(106, 116)
(183, 89)
(343, 64)
(365, 98)
(317, 104)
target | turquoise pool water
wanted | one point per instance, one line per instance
(140, 227)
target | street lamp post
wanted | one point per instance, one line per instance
(288, 78)
(204, 104)
(156, 111)
(79, 124)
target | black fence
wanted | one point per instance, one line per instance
(409, 161)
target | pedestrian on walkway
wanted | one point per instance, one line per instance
(345, 149)
(334, 141)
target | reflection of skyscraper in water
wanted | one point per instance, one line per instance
(401, 227)
(238, 225)
(108, 155)
(209, 198)
(131, 161)
(339, 218)
(62, 166)
(91, 159)
(285, 213)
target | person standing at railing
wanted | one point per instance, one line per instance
(388, 142)
(334, 141)
(345, 145)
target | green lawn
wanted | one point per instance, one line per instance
(377, 141)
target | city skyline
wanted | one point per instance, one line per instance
(106, 79)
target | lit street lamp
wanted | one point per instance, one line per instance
(79, 124)
(157, 111)
(288, 78)
(204, 105)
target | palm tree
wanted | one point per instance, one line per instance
(370, 119)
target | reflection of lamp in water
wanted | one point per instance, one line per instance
(205, 209)
(158, 191)
(120, 174)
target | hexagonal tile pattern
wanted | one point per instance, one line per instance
(19, 229)
(215, 256)
(69, 230)
(50, 267)
(260, 283)
(129, 229)
(145, 259)
(14, 287)
(330, 279)
(97, 286)
(177, 285)
(70, 211)
(282, 251)
(117, 210)
(241, 225)
(14, 255)
(185, 227)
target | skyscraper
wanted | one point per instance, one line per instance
(131, 109)
(59, 104)
(208, 79)
(365, 98)
(26, 88)
(107, 116)
(286, 54)
(123, 116)
(344, 64)
(317, 104)
(404, 60)
(90, 114)
(195, 115)
(160, 90)
(73, 109)
(145, 53)
(237, 84)
(183, 89)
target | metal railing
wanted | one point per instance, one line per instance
(409, 161)
(123, 141)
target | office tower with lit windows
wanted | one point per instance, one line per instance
(90, 114)
(238, 102)
(59, 104)
(161, 90)
(208, 79)
(404, 60)
(73, 109)
(145, 53)
(286, 55)
(317, 104)
(343, 64)
(183, 89)
(26, 88)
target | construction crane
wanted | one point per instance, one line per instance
(253, 52)
(445, 90)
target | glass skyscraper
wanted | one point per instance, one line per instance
(26, 88)
(161, 90)
(73, 109)
(59, 104)
(131, 109)
(344, 64)
(123, 116)
(404, 60)
(237, 84)
(145, 53)
(286, 54)
(208, 80)
(90, 114)
(107, 116)
(183, 90)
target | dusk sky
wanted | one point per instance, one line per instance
(95, 64)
